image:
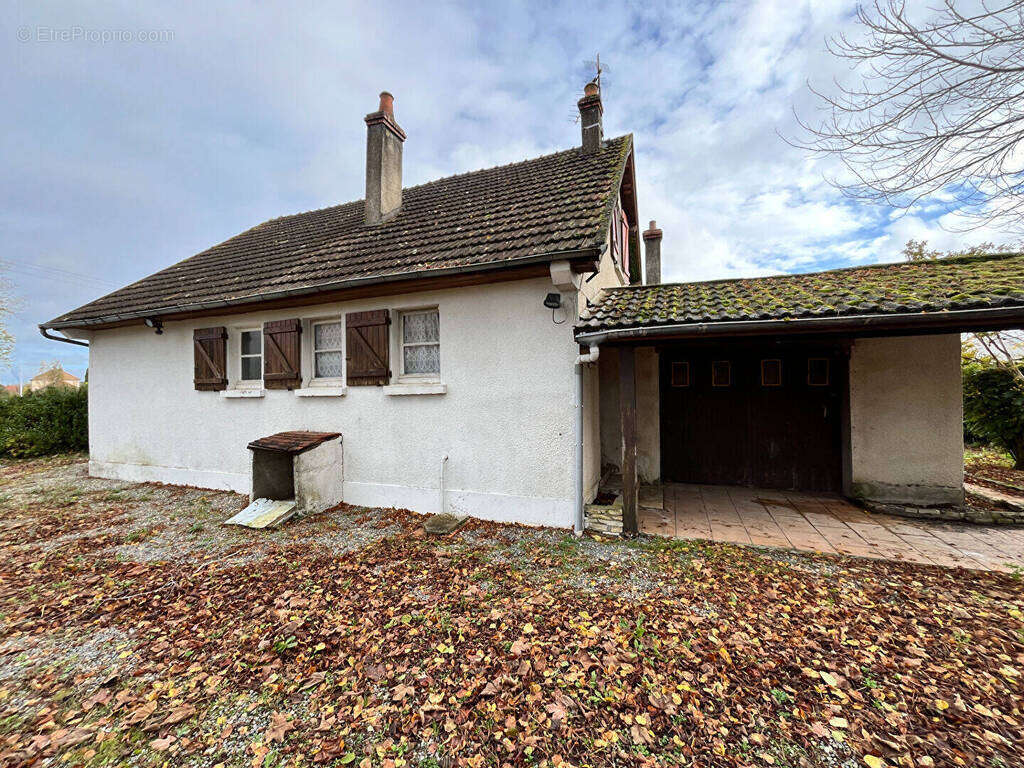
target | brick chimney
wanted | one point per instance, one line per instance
(590, 118)
(652, 255)
(383, 162)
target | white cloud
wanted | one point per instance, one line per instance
(119, 159)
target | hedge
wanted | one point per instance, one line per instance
(53, 420)
(994, 408)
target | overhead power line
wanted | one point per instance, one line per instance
(58, 273)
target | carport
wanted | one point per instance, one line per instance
(845, 381)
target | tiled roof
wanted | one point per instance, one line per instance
(499, 216)
(46, 375)
(941, 285)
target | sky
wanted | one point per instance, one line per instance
(135, 135)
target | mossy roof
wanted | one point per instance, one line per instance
(940, 285)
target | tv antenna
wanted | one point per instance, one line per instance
(598, 67)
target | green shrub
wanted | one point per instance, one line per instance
(994, 408)
(53, 420)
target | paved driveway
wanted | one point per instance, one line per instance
(824, 523)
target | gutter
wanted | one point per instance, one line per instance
(203, 306)
(47, 335)
(812, 324)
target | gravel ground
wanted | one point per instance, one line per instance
(600, 566)
(151, 523)
(84, 662)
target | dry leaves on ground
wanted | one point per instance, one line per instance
(498, 645)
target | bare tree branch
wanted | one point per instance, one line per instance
(936, 107)
(1004, 348)
(7, 306)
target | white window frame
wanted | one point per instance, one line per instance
(410, 378)
(328, 381)
(241, 383)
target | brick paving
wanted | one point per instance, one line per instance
(830, 524)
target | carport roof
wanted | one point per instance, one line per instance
(960, 293)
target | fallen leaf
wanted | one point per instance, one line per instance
(161, 745)
(279, 726)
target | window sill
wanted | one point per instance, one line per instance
(240, 393)
(321, 391)
(415, 389)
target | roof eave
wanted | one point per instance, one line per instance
(951, 321)
(578, 254)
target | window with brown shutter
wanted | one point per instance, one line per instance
(366, 348)
(282, 361)
(209, 348)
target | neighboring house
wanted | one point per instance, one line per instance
(12, 389)
(483, 343)
(54, 377)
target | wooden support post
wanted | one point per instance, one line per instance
(627, 413)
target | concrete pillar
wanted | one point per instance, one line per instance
(906, 420)
(627, 415)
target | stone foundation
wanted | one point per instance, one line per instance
(908, 494)
(959, 514)
(606, 519)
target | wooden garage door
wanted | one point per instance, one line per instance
(770, 419)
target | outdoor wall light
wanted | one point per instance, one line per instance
(553, 300)
(156, 324)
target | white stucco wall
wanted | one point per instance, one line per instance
(648, 412)
(906, 419)
(609, 275)
(505, 421)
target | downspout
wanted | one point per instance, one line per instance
(568, 284)
(444, 461)
(581, 360)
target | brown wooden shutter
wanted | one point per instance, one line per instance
(282, 354)
(209, 347)
(366, 348)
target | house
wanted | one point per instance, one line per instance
(430, 326)
(485, 344)
(53, 377)
(12, 389)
